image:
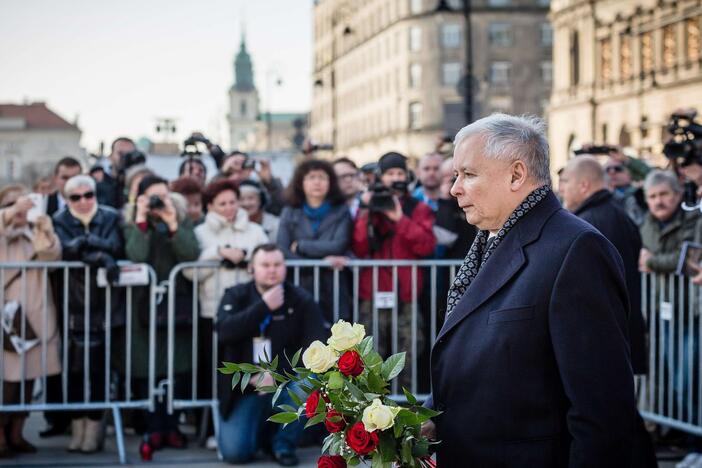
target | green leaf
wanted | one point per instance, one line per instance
(288, 408)
(245, 381)
(283, 418)
(355, 391)
(421, 410)
(277, 394)
(235, 379)
(393, 366)
(316, 420)
(365, 346)
(353, 461)
(387, 446)
(373, 361)
(327, 442)
(267, 389)
(249, 368)
(376, 384)
(377, 461)
(410, 398)
(229, 368)
(295, 398)
(274, 364)
(296, 357)
(336, 381)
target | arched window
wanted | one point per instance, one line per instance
(574, 59)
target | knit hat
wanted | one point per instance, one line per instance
(392, 160)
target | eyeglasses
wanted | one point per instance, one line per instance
(614, 169)
(349, 176)
(75, 197)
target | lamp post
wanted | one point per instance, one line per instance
(443, 7)
(271, 74)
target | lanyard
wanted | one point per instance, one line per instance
(267, 321)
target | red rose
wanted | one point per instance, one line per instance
(311, 404)
(351, 364)
(331, 461)
(337, 425)
(361, 441)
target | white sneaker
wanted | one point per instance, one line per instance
(211, 443)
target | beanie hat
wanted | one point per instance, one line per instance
(392, 160)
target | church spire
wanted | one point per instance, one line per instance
(243, 68)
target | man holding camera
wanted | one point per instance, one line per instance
(110, 190)
(392, 225)
(239, 167)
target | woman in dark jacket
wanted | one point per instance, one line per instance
(162, 236)
(89, 233)
(317, 225)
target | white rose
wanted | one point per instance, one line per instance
(319, 357)
(377, 416)
(346, 336)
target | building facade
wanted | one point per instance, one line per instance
(390, 75)
(32, 139)
(620, 69)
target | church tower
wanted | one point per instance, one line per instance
(243, 101)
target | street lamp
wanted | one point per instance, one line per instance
(443, 7)
(271, 74)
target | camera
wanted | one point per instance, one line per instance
(596, 149)
(132, 159)
(381, 198)
(155, 203)
(685, 145)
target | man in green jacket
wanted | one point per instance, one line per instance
(666, 225)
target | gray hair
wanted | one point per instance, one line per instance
(658, 177)
(81, 180)
(510, 137)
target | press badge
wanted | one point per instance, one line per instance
(261, 349)
(385, 300)
(666, 311)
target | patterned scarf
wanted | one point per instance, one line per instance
(476, 258)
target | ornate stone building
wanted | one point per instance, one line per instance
(620, 68)
(389, 75)
(243, 101)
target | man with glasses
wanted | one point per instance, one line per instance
(619, 173)
(349, 183)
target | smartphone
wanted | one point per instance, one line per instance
(39, 207)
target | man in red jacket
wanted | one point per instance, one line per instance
(392, 226)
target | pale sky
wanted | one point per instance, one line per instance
(119, 65)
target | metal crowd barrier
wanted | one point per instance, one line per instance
(60, 272)
(671, 394)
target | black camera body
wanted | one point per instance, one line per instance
(598, 149)
(155, 203)
(132, 159)
(685, 146)
(381, 198)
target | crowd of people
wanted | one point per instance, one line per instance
(249, 224)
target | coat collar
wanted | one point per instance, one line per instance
(505, 262)
(597, 198)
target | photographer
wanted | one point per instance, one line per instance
(89, 233)
(110, 191)
(392, 225)
(161, 236)
(239, 166)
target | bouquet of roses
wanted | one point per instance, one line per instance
(345, 384)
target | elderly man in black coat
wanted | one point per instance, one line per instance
(531, 367)
(582, 186)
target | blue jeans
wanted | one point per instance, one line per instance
(241, 433)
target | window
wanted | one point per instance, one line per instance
(242, 108)
(500, 34)
(546, 35)
(415, 75)
(647, 52)
(499, 73)
(606, 59)
(499, 3)
(415, 115)
(626, 68)
(669, 46)
(451, 36)
(574, 59)
(416, 6)
(546, 72)
(451, 73)
(415, 40)
(692, 36)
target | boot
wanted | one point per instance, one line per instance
(92, 441)
(77, 434)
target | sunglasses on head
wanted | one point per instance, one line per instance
(615, 169)
(75, 197)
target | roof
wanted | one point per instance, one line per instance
(35, 116)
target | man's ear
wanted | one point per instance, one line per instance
(519, 174)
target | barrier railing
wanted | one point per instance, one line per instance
(63, 324)
(671, 394)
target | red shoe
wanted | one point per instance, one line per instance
(176, 439)
(146, 450)
(155, 439)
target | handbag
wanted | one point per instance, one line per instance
(11, 319)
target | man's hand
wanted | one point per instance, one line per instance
(337, 261)
(429, 430)
(274, 297)
(264, 171)
(396, 214)
(266, 380)
(142, 208)
(43, 224)
(643, 260)
(168, 214)
(21, 205)
(233, 255)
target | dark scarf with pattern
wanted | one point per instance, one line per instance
(478, 254)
